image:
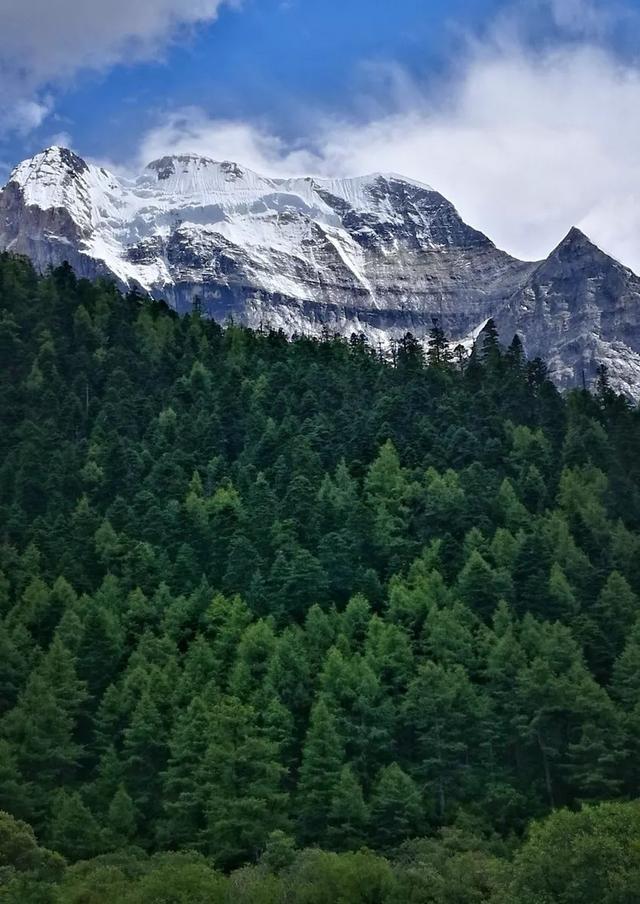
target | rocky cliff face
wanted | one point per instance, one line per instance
(377, 254)
(580, 308)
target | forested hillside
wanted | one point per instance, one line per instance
(259, 596)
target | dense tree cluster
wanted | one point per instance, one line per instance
(586, 857)
(257, 595)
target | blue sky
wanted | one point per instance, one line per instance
(523, 112)
(272, 60)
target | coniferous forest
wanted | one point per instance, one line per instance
(296, 621)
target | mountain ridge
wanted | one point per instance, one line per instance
(377, 254)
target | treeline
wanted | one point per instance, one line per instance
(252, 586)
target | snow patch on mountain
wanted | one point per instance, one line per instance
(378, 254)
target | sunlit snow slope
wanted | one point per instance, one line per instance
(377, 254)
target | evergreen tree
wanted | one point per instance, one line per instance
(348, 816)
(184, 781)
(396, 809)
(322, 761)
(74, 831)
(41, 732)
(562, 597)
(438, 353)
(122, 818)
(144, 757)
(245, 800)
(448, 718)
(490, 344)
(626, 670)
(615, 612)
(15, 791)
(478, 586)
(387, 493)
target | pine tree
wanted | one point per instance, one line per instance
(41, 732)
(297, 580)
(564, 605)
(479, 586)
(615, 612)
(199, 667)
(74, 831)
(122, 818)
(513, 512)
(184, 781)
(439, 353)
(109, 774)
(595, 757)
(625, 682)
(322, 760)
(254, 653)
(338, 500)
(224, 623)
(101, 649)
(387, 495)
(396, 808)
(490, 344)
(363, 712)
(515, 354)
(58, 670)
(15, 792)
(243, 562)
(144, 757)
(348, 815)
(389, 654)
(531, 575)
(12, 669)
(243, 780)
(448, 718)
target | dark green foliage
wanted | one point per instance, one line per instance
(322, 759)
(396, 807)
(73, 829)
(591, 856)
(257, 593)
(242, 779)
(26, 868)
(349, 815)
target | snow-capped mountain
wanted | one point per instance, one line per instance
(378, 254)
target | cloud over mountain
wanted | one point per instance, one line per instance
(527, 140)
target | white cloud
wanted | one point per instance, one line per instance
(190, 130)
(561, 20)
(23, 116)
(589, 18)
(529, 146)
(61, 139)
(49, 41)
(525, 143)
(578, 15)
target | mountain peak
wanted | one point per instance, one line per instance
(52, 160)
(379, 254)
(576, 245)
(167, 166)
(397, 177)
(192, 174)
(576, 236)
